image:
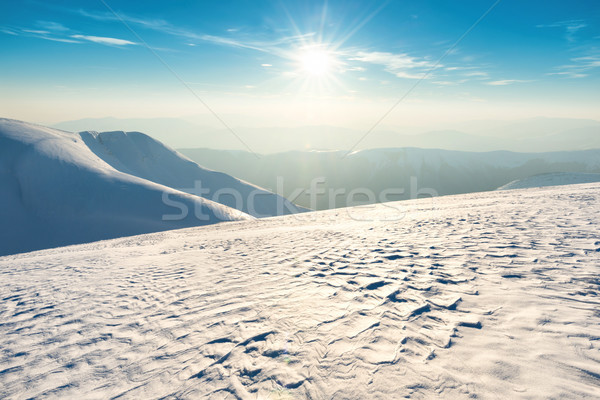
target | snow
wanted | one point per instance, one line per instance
(552, 179)
(138, 154)
(489, 295)
(56, 191)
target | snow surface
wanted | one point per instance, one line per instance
(490, 295)
(55, 191)
(138, 154)
(552, 179)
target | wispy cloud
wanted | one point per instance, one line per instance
(580, 67)
(571, 27)
(465, 73)
(239, 41)
(37, 33)
(402, 65)
(8, 31)
(477, 74)
(569, 74)
(505, 82)
(588, 62)
(462, 68)
(52, 26)
(449, 83)
(58, 39)
(104, 40)
(57, 32)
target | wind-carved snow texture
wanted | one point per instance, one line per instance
(490, 296)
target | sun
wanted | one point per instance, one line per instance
(316, 62)
(315, 68)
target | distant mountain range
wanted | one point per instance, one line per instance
(399, 173)
(529, 135)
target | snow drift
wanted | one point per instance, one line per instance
(55, 191)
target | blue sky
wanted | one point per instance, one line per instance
(310, 62)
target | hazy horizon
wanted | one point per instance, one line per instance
(524, 135)
(268, 63)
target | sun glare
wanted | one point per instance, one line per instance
(315, 68)
(316, 62)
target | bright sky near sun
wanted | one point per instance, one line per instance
(283, 62)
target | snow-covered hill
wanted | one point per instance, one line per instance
(551, 179)
(490, 296)
(138, 154)
(55, 191)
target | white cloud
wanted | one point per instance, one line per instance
(571, 27)
(588, 62)
(477, 74)
(505, 82)
(58, 33)
(402, 65)
(449, 83)
(390, 60)
(52, 26)
(568, 74)
(266, 46)
(444, 83)
(104, 40)
(462, 68)
(57, 39)
(579, 68)
(35, 32)
(266, 65)
(8, 31)
(408, 75)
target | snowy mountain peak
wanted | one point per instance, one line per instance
(56, 191)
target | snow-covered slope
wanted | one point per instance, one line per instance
(490, 296)
(138, 154)
(551, 179)
(54, 191)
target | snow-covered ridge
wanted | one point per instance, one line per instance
(552, 179)
(55, 191)
(138, 154)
